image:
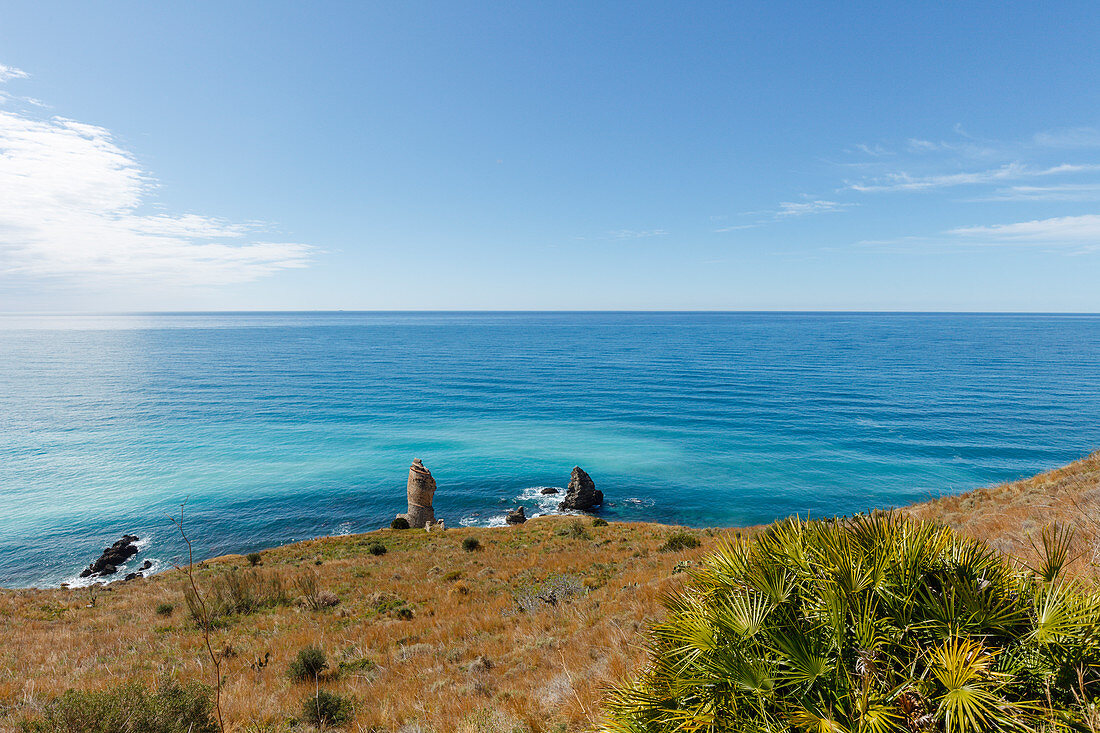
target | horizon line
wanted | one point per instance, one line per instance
(763, 311)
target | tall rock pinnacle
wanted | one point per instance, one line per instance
(582, 493)
(420, 489)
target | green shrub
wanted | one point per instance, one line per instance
(129, 708)
(599, 522)
(470, 544)
(399, 523)
(376, 548)
(574, 530)
(679, 541)
(165, 609)
(254, 558)
(308, 665)
(236, 592)
(327, 708)
(870, 624)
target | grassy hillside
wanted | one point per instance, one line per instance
(523, 633)
(427, 634)
(1010, 516)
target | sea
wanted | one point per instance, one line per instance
(267, 428)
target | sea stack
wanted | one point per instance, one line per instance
(581, 494)
(420, 489)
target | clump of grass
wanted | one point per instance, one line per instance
(237, 592)
(599, 522)
(471, 544)
(254, 558)
(129, 708)
(680, 541)
(308, 665)
(313, 595)
(376, 548)
(165, 609)
(553, 591)
(399, 523)
(327, 708)
(575, 530)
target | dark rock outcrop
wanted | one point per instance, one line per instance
(582, 494)
(115, 555)
(516, 516)
(549, 491)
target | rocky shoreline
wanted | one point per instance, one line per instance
(581, 495)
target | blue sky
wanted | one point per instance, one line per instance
(267, 155)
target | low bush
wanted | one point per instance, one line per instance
(599, 522)
(870, 624)
(314, 596)
(165, 609)
(470, 544)
(575, 530)
(680, 541)
(308, 665)
(131, 708)
(254, 558)
(236, 592)
(399, 523)
(553, 591)
(376, 548)
(327, 708)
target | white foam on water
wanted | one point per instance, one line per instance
(133, 565)
(534, 502)
(634, 501)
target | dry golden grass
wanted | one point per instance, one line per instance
(546, 670)
(1011, 516)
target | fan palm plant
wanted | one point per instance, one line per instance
(868, 625)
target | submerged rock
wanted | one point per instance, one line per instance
(115, 555)
(516, 516)
(548, 491)
(582, 494)
(420, 490)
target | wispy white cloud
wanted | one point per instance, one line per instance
(1057, 192)
(636, 233)
(73, 203)
(1011, 171)
(10, 72)
(1068, 234)
(1072, 137)
(739, 227)
(1062, 230)
(805, 208)
(874, 150)
(788, 210)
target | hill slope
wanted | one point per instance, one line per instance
(523, 633)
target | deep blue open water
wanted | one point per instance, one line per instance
(279, 427)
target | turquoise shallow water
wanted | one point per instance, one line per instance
(279, 427)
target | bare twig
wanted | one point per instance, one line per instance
(205, 621)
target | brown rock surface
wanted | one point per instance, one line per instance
(420, 490)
